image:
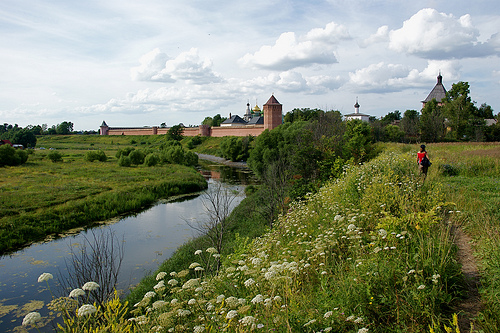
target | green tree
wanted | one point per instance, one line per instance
(358, 140)
(431, 122)
(409, 124)
(391, 117)
(66, 127)
(394, 133)
(213, 122)
(459, 110)
(175, 133)
(151, 159)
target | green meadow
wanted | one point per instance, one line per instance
(380, 249)
(43, 198)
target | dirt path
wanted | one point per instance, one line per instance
(469, 307)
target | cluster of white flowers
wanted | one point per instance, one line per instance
(318, 236)
(32, 317)
(86, 309)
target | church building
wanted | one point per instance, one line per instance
(438, 92)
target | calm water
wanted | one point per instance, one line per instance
(149, 238)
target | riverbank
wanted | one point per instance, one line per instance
(42, 198)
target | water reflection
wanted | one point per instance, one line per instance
(149, 238)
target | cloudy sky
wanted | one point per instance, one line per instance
(142, 63)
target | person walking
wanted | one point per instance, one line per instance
(423, 161)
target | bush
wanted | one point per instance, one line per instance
(190, 158)
(12, 157)
(152, 159)
(449, 170)
(95, 155)
(136, 157)
(174, 155)
(55, 156)
(124, 151)
(124, 161)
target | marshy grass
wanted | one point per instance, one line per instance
(42, 198)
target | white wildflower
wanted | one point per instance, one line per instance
(190, 284)
(363, 330)
(159, 304)
(422, 286)
(247, 321)
(232, 314)
(257, 299)
(149, 294)
(192, 301)
(328, 314)
(174, 301)
(351, 227)
(159, 285)
(312, 321)
(256, 261)
(173, 282)
(32, 317)
(249, 282)
(211, 250)
(411, 271)
(382, 233)
(45, 277)
(90, 286)
(220, 298)
(173, 274)
(193, 265)
(160, 276)
(198, 269)
(435, 278)
(76, 292)
(199, 329)
(198, 252)
(86, 309)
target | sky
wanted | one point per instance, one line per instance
(143, 63)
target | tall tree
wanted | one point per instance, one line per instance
(432, 122)
(409, 124)
(459, 110)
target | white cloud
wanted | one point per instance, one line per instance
(187, 66)
(384, 78)
(152, 63)
(382, 35)
(316, 47)
(433, 35)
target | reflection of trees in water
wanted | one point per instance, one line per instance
(227, 174)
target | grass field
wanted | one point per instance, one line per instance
(373, 251)
(42, 198)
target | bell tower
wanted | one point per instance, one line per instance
(272, 113)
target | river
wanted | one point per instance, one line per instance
(149, 238)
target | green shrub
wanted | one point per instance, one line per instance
(152, 159)
(190, 158)
(448, 170)
(11, 156)
(124, 161)
(136, 157)
(124, 151)
(55, 156)
(95, 155)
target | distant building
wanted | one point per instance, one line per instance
(357, 114)
(438, 92)
(253, 123)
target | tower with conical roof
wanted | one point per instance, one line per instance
(272, 113)
(438, 92)
(104, 128)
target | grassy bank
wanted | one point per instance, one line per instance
(371, 251)
(42, 198)
(470, 174)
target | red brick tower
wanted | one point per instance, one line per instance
(272, 113)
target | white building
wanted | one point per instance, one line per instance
(356, 114)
